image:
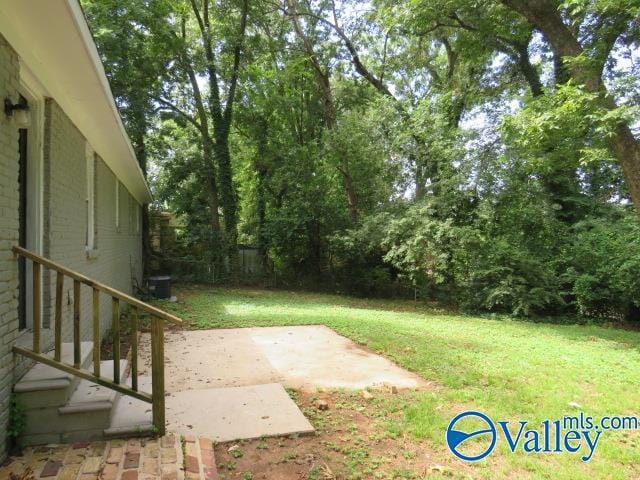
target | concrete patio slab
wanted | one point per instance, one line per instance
(225, 414)
(306, 357)
(228, 384)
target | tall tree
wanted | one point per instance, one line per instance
(323, 77)
(585, 44)
(221, 109)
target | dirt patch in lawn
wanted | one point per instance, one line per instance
(355, 439)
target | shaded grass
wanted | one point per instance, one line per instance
(506, 368)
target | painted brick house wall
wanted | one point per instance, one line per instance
(9, 224)
(117, 257)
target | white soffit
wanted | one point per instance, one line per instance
(53, 40)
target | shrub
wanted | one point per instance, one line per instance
(605, 267)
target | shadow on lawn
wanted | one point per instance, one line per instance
(582, 331)
(208, 307)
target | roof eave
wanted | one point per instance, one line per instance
(54, 41)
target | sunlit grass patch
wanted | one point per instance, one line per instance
(508, 369)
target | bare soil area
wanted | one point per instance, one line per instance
(354, 440)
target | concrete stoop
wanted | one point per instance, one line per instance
(62, 408)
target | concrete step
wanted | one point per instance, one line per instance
(91, 397)
(85, 416)
(131, 417)
(44, 386)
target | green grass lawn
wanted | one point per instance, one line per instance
(509, 369)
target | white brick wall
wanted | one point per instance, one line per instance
(9, 223)
(119, 251)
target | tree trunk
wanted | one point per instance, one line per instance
(421, 187)
(228, 198)
(212, 195)
(206, 144)
(627, 149)
(352, 201)
(528, 71)
(210, 179)
(261, 201)
(221, 122)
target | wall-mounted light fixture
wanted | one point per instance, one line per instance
(19, 112)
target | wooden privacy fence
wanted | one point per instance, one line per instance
(158, 317)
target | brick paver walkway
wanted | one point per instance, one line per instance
(134, 459)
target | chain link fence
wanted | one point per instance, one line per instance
(196, 254)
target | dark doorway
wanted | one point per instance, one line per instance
(22, 240)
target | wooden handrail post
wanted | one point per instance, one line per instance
(107, 290)
(77, 355)
(58, 317)
(157, 374)
(134, 348)
(115, 326)
(37, 307)
(96, 332)
(158, 317)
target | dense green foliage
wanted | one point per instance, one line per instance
(458, 151)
